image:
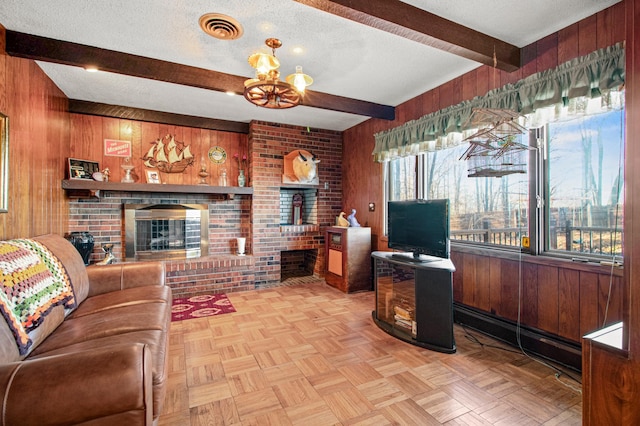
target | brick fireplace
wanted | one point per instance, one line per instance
(258, 217)
(217, 271)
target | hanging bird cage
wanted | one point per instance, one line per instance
(494, 150)
(503, 159)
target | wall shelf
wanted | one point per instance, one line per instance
(85, 188)
(298, 186)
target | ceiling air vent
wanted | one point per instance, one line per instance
(220, 26)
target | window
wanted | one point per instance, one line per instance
(584, 184)
(563, 189)
(484, 209)
(402, 179)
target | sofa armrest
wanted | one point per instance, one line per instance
(119, 276)
(106, 386)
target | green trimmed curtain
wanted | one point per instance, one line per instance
(547, 96)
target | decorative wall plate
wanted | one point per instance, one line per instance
(217, 155)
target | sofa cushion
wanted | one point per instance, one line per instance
(33, 282)
(118, 299)
(135, 315)
(111, 322)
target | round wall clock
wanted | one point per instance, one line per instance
(217, 155)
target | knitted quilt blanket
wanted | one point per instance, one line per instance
(33, 282)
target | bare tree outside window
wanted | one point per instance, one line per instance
(585, 184)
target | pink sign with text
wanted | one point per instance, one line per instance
(117, 148)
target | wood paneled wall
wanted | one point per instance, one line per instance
(38, 146)
(564, 301)
(611, 377)
(88, 133)
(363, 178)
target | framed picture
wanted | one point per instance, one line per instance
(153, 176)
(4, 163)
(82, 169)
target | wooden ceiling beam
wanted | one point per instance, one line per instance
(67, 53)
(138, 114)
(416, 24)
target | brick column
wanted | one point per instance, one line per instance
(268, 144)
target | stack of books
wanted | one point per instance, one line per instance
(403, 317)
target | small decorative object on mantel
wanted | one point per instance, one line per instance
(168, 155)
(242, 163)
(127, 167)
(105, 174)
(296, 209)
(241, 241)
(203, 172)
(353, 222)
(300, 166)
(222, 178)
(342, 221)
(82, 169)
(153, 176)
(109, 257)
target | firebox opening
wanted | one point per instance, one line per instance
(297, 263)
(166, 231)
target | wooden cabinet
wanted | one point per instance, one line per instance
(348, 258)
(414, 300)
(610, 379)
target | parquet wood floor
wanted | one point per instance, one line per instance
(309, 355)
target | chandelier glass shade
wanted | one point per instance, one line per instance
(266, 89)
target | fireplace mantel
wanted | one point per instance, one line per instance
(85, 188)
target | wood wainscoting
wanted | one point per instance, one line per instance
(553, 298)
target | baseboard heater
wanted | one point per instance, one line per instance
(534, 342)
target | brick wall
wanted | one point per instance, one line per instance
(268, 144)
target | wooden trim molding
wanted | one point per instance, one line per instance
(139, 114)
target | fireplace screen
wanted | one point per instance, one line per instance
(166, 231)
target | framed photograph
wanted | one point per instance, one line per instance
(4, 163)
(153, 176)
(82, 169)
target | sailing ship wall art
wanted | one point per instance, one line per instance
(168, 156)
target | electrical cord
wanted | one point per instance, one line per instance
(557, 371)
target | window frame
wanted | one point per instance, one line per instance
(538, 194)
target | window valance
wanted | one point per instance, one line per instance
(541, 97)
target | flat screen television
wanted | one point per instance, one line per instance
(420, 227)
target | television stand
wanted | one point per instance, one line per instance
(414, 299)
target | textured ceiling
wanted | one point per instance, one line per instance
(344, 58)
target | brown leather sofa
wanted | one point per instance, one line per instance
(103, 362)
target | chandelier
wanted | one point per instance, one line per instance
(267, 90)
